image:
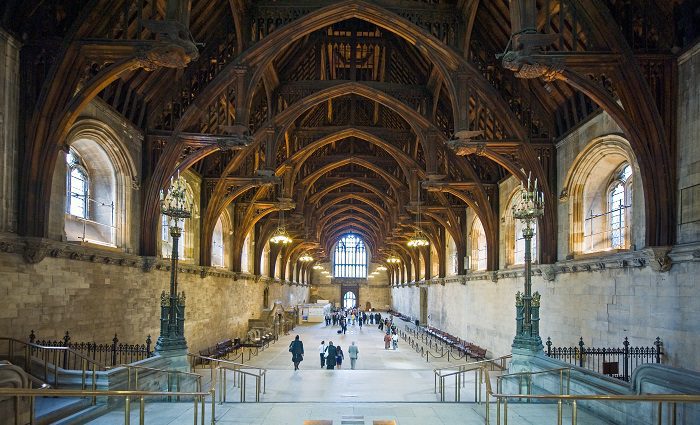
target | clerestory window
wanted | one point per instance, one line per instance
(478, 242)
(77, 186)
(619, 202)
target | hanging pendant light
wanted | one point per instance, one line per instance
(382, 268)
(306, 258)
(393, 259)
(317, 267)
(418, 239)
(280, 236)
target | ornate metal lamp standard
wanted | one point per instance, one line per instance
(177, 207)
(529, 208)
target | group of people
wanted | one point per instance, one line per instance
(391, 336)
(332, 356)
(351, 316)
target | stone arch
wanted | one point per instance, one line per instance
(587, 177)
(510, 233)
(115, 174)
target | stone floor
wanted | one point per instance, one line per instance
(388, 387)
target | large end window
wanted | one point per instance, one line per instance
(350, 257)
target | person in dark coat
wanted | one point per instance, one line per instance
(330, 355)
(297, 350)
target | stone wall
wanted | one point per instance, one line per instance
(689, 146)
(378, 295)
(602, 305)
(94, 301)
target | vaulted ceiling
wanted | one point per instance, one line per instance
(350, 115)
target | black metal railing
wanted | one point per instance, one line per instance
(109, 354)
(617, 362)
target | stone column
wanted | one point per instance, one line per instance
(9, 126)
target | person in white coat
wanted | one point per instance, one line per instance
(352, 352)
(322, 352)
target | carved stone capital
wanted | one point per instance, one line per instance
(658, 258)
(549, 272)
(149, 263)
(35, 250)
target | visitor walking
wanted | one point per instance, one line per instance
(339, 356)
(330, 355)
(353, 351)
(322, 352)
(387, 341)
(297, 350)
(395, 341)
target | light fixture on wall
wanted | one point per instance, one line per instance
(418, 239)
(306, 258)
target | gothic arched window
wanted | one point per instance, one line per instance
(217, 245)
(78, 185)
(187, 232)
(519, 254)
(619, 202)
(478, 242)
(350, 259)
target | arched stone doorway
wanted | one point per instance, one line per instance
(368, 306)
(266, 298)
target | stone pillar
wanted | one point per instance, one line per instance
(9, 130)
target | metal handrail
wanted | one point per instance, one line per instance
(480, 362)
(197, 377)
(220, 366)
(671, 399)
(30, 346)
(198, 397)
(477, 367)
(54, 348)
(528, 379)
(239, 380)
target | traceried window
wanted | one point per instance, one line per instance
(478, 242)
(349, 300)
(217, 245)
(77, 186)
(245, 254)
(186, 232)
(350, 257)
(519, 257)
(619, 201)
